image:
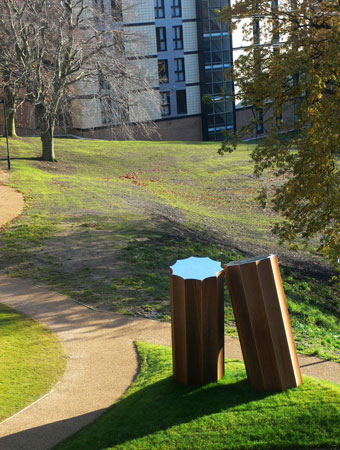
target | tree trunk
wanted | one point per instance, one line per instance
(10, 113)
(47, 133)
(48, 144)
(11, 123)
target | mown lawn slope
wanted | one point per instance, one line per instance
(31, 361)
(106, 221)
(157, 413)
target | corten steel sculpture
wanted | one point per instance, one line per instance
(263, 324)
(197, 320)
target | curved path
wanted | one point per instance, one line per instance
(11, 202)
(102, 363)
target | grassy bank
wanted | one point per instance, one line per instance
(104, 224)
(157, 413)
(32, 360)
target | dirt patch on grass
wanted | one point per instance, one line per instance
(56, 167)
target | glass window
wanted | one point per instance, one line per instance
(178, 37)
(212, 11)
(259, 121)
(165, 104)
(208, 76)
(206, 45)
(106, 109)
(296, 112)
(256, 31)
(218, 75)
(99, 4)
(176, 8)
(159, 9)
(209, 89)
(181, 97)
(216, 26)
(226, 57)
(116, 10)
(219, 107)
(206, 26)
(220, 119)
(278, 121)
(103, 83)
(211, 121)
(216, 44)
(276, 24)
(216, 57)
(209, 108)
(218, 88)
(179, 69)
(207, 58)
(230, 117)
(205, 13)
(161, 39)
(225, 43)
(163, 71)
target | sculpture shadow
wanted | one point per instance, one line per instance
(156, 407)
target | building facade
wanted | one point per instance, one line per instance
(186, 52)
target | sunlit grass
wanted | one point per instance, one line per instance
(157, 413)
(104, 224)
(32, 360)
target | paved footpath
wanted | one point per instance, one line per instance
(102, 363)
(11, 201)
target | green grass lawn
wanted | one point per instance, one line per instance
(157, 413)
(104, 224)
(32, 360)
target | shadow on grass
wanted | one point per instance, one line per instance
(159, 406)
(32, 158)
(125, 264)
(165, 404)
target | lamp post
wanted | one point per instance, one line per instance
(6, 133)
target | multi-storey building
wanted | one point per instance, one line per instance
(186, 51)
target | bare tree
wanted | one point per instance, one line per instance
(9, 80)
(64, 48)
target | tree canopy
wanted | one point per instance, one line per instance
(291, 73)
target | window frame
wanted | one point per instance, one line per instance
(98, 5)
(177, 37)
(185, 107)
(159, 40)
(104, 84)
(166, 104)
(179, 69)
(106, 106)
(176, 8)
(259, 121)
(166, 70)
(116, 9)
(256, 31)
(159, 9)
